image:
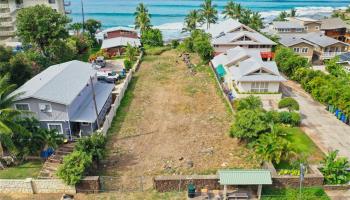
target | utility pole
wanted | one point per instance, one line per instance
(83, 15)
(95, 104)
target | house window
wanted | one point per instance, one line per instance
(296, 50)
(259, 87)
(317, 27)
(306, 28)
(22, 106)
(304, 50)
(52, 1)
(45, 107)
(57, 127)
(299, 30)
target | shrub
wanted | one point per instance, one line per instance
(334, 169)
(174, 44)
(74, 167)
(289, 103)
(93, 145)
(291, 118)
(250, 103)
(127, 64)
(152, 37)
(293, 172)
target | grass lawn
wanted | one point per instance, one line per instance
(302, 145)
(171, 121)
(26, 170)
(156, 50)
(293, 194)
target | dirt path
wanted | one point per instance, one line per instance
(176, 123)
(322, 127)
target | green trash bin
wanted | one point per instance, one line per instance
(191, 189)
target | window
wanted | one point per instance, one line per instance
(304, 50)
(57, 127)
(299, 30)
(306, 28)
(52, 1)
(317, 27)
(296, 49)
(45, 107)
(259, 87)
(22, 106)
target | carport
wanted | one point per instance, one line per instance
(258, 177)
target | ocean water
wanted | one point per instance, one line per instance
(168, 15)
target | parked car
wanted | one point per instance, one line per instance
(67, 197)
(110, 77)
(100, 61)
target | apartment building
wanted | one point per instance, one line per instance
(9, 8)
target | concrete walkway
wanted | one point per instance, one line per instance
(321, 126)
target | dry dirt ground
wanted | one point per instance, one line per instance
(172, 122)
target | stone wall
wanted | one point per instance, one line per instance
(337, 187)
(90, 184)
(34, 186)
(180, 183)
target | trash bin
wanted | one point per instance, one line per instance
(191, 189)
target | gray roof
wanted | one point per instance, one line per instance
(87, 112)
(288, 24)
(314, 38)
(232, 56)
(120, 41)
(232, 38)
(345, 57)
(333, 23)
(222, 27)
(59, 83)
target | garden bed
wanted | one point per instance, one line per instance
(289, 194)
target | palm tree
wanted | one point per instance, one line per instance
(293, 12)
(245, 16)
(230, 10)
(48, 138)
(255, 21)
(282, 16)
(76, 27)
(209, 13)
(142, 18)
(192, 20)
(130, 52)
(7, 114)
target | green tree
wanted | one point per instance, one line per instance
(76, 27)
(41, 26)
(245, 17)
(250, 103)
(48, 138)
(74, 167)
(255, 21)
(293, 12)
(92, 25)
(94, 146)
(249, 124)
(18, 68)
(273, 146)
(142, 18)
(5, 54)
(282, 16)
(152, 37)
(7, 115)
(130, 52)
(209, 13)
(334, 169)
(192, 20)
(202, 46)
(230, 10)
(290, 103)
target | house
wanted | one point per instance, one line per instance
(310, 25)
(281, 27)
(336, 28)
(344, 60)
(230, 33)
(114, 40)
(316, 45)
(67, 97)
(8, 13)
(243, 71)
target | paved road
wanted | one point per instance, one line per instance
(321, 126)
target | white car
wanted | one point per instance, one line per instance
(110, 77)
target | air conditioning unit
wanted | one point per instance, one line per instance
(42, 107)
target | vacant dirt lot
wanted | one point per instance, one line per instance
(172, 122)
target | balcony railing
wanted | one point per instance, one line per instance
(331, 54)
(6, 24)
(4, 5)
(5, 15)
(7, 33)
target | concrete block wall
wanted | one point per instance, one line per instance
(16, 186)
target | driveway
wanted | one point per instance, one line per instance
(320, 125)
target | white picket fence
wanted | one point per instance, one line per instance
(119, 93)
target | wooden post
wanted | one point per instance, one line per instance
(259, 191)
(225, 192)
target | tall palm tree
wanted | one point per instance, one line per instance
(255, 21)
(245, 16)
(192, 20)
(7, 114)
(281, 16)
(130, 52)
(293, 12)
(209, 13)
(142, 18)
(229, 10)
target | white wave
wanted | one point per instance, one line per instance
(170, 26)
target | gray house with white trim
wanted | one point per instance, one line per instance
(62, 98)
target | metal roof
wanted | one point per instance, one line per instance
(59, 83)
(245, 177)
(120, 41)
(233, 38)
(313, 38)
(333, 23)
(287, 24)
(345, 57)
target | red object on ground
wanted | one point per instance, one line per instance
(267, 55)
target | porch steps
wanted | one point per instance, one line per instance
(52, 164)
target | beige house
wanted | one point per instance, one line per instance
(9, 8)
(314, 46)
(310, 25)
(294, 25)
(244, 71)
(230, 33)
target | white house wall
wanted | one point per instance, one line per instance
(246, 86)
